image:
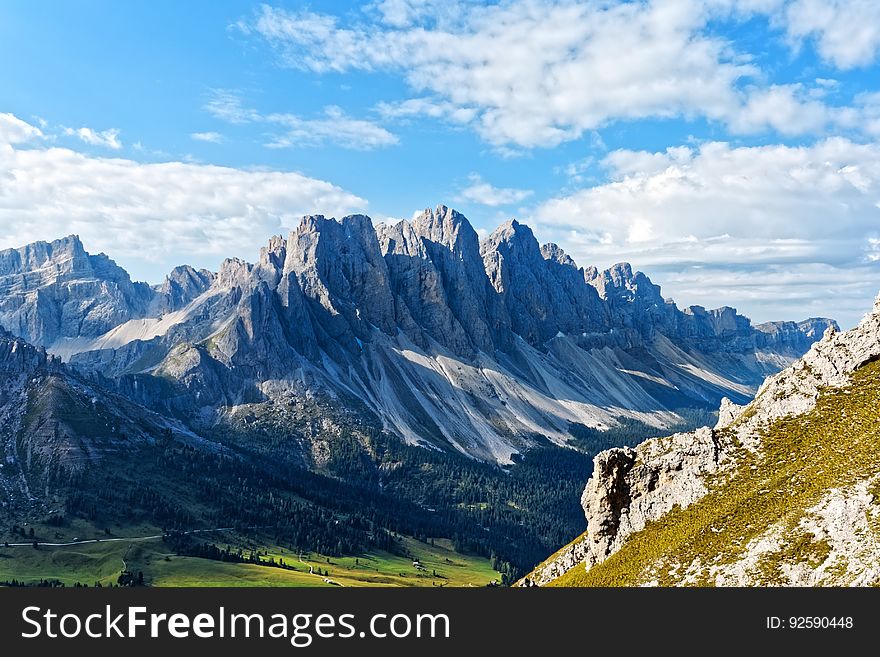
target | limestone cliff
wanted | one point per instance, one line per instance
(781, 491)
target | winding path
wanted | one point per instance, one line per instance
(327, 580)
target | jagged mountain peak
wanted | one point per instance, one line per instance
(441, 218)
(183, 284)
(815, 327)
(448, 228)
(71, 241)
(622, 281)
(275, 244)
(18, 356)
(620, 274)
(554, 252)
(318, 223)
(512, 235)
(233, 272)
(64, 252)
(622, 270)
(56, 290)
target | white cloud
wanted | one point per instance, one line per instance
(540, 72)
(869, 113)
(227, 106)
(15, 131)
(151, 217)
(744, 213)
(768, 200)
(403, 13)
(789, 109)
(334, 126)
(479, 191)
(105, 138)
(413, 107)
(846, 32)
(211, 137)
(537, 73)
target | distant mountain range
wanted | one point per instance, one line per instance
(489, 347)
(355, 384)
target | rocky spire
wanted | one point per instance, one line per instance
(544, 296)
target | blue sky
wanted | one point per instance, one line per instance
(729, 148)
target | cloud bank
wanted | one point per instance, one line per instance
(150, 217)
(536, 73)
(785, 228)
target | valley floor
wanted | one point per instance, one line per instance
(99, 557)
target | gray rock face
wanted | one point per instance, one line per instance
(543, 296)
(452, 246)
(795, 337)
(181, 286)
(422, 307)
(54, 290)
(341, 272)
(634, 301)
(631, 487)
(17, 357)
(490, 348)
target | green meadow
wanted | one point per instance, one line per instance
(424, 564)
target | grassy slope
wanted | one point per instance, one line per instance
(836, 444)
(102, 562)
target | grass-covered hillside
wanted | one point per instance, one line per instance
(804, 509)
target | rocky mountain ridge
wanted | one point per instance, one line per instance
(489, 347)
(52, 292)
(633, 489)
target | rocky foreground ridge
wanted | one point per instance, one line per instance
(799, 469)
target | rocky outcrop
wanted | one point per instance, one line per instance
(631, 487)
